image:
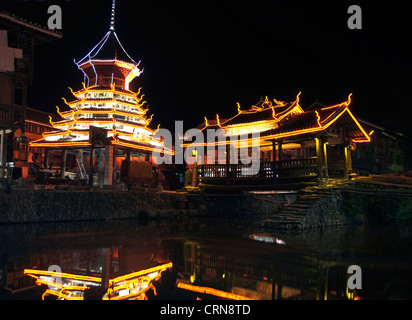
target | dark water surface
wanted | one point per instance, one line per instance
(215, 257)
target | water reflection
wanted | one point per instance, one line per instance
(201, 259)
(74, 286)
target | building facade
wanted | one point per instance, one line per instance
(388, 152)
(18, 38)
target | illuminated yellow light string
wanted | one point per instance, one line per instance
(36, 273)
(212, 291)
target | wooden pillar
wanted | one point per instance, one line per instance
(3, 154)
(325, 159)
(322, 287)
(227, 160)
(280, 151)
(80, 162)
(100, 166)
(347, 161)
(63, 166)
(91, 159)
(318, 143)
(91, 166)
(127, 157)
(108, 165)
(280, 158)
(274, 162)
(46, 158)
(106, 267)
(115, 149)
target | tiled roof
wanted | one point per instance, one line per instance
(39, 116)
(29, 24)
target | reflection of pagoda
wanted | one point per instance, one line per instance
(105, 115)
(67, 286)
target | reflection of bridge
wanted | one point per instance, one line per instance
(273, 274)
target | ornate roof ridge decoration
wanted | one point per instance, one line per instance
(264, 110)
(318, 120)
(281, 120)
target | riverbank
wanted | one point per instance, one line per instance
(341, 203)
(30, 206)
(335, 204)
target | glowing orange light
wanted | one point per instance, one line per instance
(212, 291)
(238, 108)
(272, 124)
(206, 123)
(60, 144)
(36, 273)
(318, 118)
(273, 112)
(143, 278)
(141, 272)
(116, 141)
(280, 103)
(218, 120)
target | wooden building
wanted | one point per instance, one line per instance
(295, 145)
(27, 158)
(18, 39)
(388, 152)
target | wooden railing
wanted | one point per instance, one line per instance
(295, 168)
(336, 169)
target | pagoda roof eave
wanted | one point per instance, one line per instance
(120, 63)
(104, 100)
(102, 111)
(42, 143)
(115, 90)
(135, 145)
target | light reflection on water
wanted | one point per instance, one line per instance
(212, 259)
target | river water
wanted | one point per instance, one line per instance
(214, 258)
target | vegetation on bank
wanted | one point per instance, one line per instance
(378, 203)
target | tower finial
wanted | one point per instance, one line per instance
(112, 15)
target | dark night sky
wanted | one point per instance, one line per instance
(201, 57)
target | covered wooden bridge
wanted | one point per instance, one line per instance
(295, 145)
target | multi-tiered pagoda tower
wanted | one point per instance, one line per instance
(105, 117)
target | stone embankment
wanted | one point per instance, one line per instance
(310, 210)
(341, 204)
(26, 206)
(312, 207)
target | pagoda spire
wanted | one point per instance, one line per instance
(113, 15)
(108, 62)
